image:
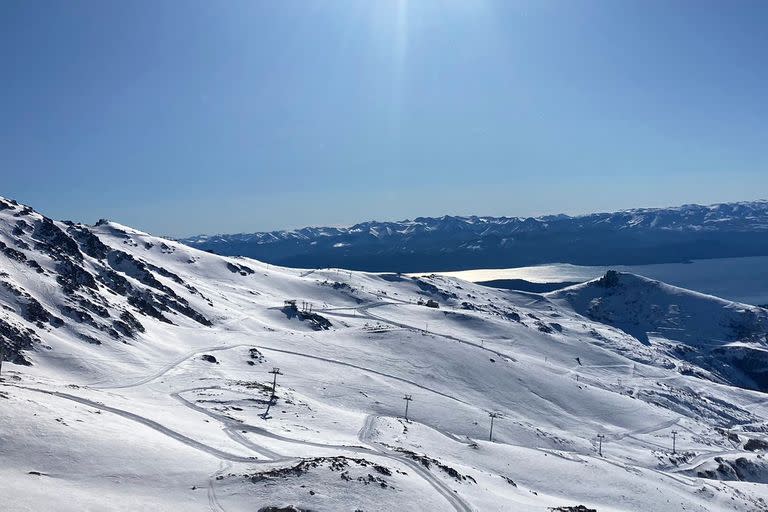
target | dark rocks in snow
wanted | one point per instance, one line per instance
(428, 462)
(256, 355)
(30, 308)
(317, 322)
(148, 305)
(12, 253)
(147, 302)
(132, 267)
(88, 338)
(21, 244)
(89, 243)
(25, 210)
(36, 266)
(339, 463)
(731, 362)
(15, 339)
(131, 321)
(209, 358)
(72, 276)
(754, 445)
(434, 290)
(114, 281)
(336, 285)
(236, 268)
(34, 312)
(576, 508)
(741, 469)
(541, 326)
(55, 242)
(154, 305)
(183, 307)
(93, 308)
(78, 315)
(123, 328)
(289, 508)
(492, 309)
(165, 273)
(609, 280)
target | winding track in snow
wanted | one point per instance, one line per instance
(189, 355)
(231, 427)
(220, 454)
(213, 500)
(365, 313)
(364, 436)
(451, 496)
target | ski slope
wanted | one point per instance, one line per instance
(176, 413)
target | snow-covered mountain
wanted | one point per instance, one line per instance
(645, 235)
(138, 375)
(727, 339)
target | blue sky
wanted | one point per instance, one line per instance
(184, 117)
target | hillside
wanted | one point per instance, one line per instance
(727, 338)
(137, 376)
(637, 236)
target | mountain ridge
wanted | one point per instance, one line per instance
(634, 236)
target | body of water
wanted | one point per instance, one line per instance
(739, 279)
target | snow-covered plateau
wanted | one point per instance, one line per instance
(138, 376)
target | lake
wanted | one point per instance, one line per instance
(738, 279)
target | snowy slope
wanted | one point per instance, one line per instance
(137, 378)
(727, 338)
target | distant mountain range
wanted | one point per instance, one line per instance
(637, 236)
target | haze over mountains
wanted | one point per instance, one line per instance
(137, 376)
(637, 236)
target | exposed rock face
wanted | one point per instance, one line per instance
(750, 468)
(239, 269)
(725, 340)
(148, 302)
(14, 339)
(54, 241)
(72, 276)
(84, 284)
(28, 307)
(89, 243)
(315, 321)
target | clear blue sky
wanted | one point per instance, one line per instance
(183, 117)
